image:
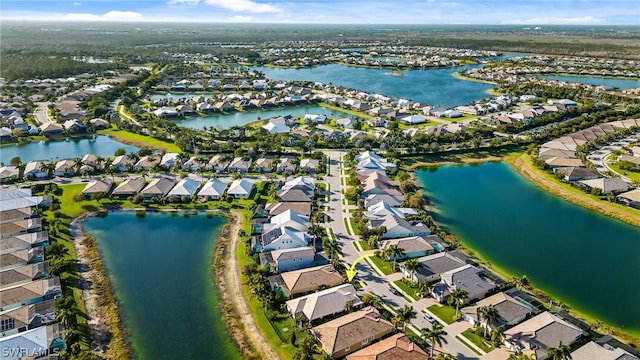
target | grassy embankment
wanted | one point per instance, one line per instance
(140, 140)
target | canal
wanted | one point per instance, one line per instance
(160, 268)
(585, 259)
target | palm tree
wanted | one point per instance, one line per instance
(445, 356)
(333, 248)
(77, 164)
(406, 314)
(520, 356)
(489, 314)
(435, 335)
(412, 266)
(560, 352)
(372, 241)
(349, 306)
(99, 161)
(394, 252)
(49, 167)
(457, 297)
(20, 166)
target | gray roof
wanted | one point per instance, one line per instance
(468, 278)
(158, 187)
(508, 308)
(438, 264)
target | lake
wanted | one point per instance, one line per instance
(74, 147)
(161, 273)
(621, 84)
(226, 121)
(587, 260)
(431, 86)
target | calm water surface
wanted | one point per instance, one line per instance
(242, 118)
(433, 86)
(597, 81)
(50, 150)
(587, 260)
(160, 266)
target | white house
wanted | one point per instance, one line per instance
(185, 187)
(324, 303)
(283, 238)
(240, 188)
(399, 228)
(168, 160)
(292, 219)
(33, 171)
(276, 128)
(212, 189)
(413, 119)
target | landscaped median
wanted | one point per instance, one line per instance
(444, 313)
(477, 340)
(414, 294)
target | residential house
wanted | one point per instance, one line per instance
(413, 119)
(398, 346)
(212, 189)
(157, 188)
(147, 162)
(263, 164)
(240, 189)
(292, 283)
(606, 185)
(20, 274)
(324, 303)
(413, 246)
(287, 164)
(309, 165)
(543, 331)
(373, 199)
(297, 194)
(122, 163)
(29, 293)
(20, 257)
(292, 259)
(574, 173)
(129, 187)
(274, 128)
(289, 218)
(51, 128)
(630, 198)
(27, 317)
(510, 311)
(219, 163)
(92, 160)
(383, 209)
(399, 228)
(346, 123)
(239, 164)
(597, 351)
(168, 160)
(64, 167)
(370, 160)
(282, 238)
(8, 173)
(33, 170)
(635, 151)
(185, 188)
(433, 266)
(468, 278)
(352, 332)
(97, 186)
(303, 208)
(41, 340)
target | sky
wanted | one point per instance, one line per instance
(493, 12)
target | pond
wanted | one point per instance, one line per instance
(621, 84)
(63, 149)
(161, 273)
(583, 258)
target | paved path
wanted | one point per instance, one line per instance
(41, 113)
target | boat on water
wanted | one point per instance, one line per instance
(395, 73)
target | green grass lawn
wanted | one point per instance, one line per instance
(633, 175)
(140, 140)
(443, 312)
(413, 293)
(477, 339)
(364, 245)
(356, 230)
(346, 226)
(384, 266)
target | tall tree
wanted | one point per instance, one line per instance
(489, 314)
(560, 352)
(435, 335)
(457, 297)
(412, 266)
(394, 252)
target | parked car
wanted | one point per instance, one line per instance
(429, 318)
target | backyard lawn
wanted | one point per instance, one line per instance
(477, 339)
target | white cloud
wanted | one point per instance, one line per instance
(585, 20)
(183, 2)
(122, 15)
(77, 3)
(241, 19)
(244, 5)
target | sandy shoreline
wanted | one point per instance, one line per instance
(237, 314)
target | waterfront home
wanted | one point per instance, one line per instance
(635, 160)
(433, 266)
(158, 187)
(324, 303)
(369, 160)
(146, 162)
(14, 198)
(129, 187)
(212, 189)
(122, 163)
(413, 119)
(239, 164)
(468, 278)
(606, 185)
(373, 199)
(16, 214)
(185, 188)
(282, 238)
(51, 128)
(630, 198)
(297, 194)
(379, 185)
(33, 170)
(309, 165)
(548, 153)
(398, 346)
(601, 350)
(538, 334)
(219, 163)
(18, 227)
(166, 112)
(382, 209)
(97, 186)
(510, 311)
(40, 341)
(64, 167)
(21, 257)
(8, 173)
(99, 123)
(302, 208)
(91, 160)
(29, 293)
(563, 162)
(24, 241)
(168, 160)
(20, 274)
(399, 228)
(289, 218)
(292, 259)
(300, 182)
(274, 128)
(413, 246)
(346, 122)
(240, 189)
(352, 332)
(74, 126)
(574, 173)
(27, 317)
(292, 283)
